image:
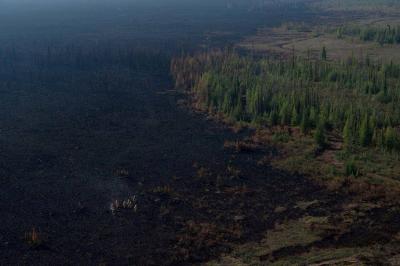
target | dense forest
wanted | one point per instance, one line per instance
(389, 34)
(358, 98)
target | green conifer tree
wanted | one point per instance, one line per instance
(319, 136)
(324, 53)
(295, 117)
(391, 139)
(305, 123)
(365, 132)
(273, 117)
(348, 134)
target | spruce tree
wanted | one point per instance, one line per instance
(391, 139)
(324, 53)
(319, 136)
(305, 123)
(284, 114)
(273, 117)
(313, 117)
(295, 117)
(347, 134)
(365, 132)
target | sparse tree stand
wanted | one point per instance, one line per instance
(359, 99)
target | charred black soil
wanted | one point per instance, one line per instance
(67, 155)
(100, 165)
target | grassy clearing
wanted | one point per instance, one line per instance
(317, 240)
(290, 233)
(319, 257)
(287, 244)
(307, 40)
(374, 6)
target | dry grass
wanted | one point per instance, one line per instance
(121, 172)
(128, 203)
(34, 238)
(290, 233)
(203, 172)
(241, 146)
(325, 257)
(306, 204)
(233, 172)
(166, 190)
(295, 234)
(203, 236)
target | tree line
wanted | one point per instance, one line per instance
(357, 98)
(387, 34)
